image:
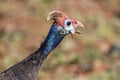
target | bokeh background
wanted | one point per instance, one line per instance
(93, 55)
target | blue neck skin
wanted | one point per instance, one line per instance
(52, 40)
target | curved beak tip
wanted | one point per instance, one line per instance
(81, 25)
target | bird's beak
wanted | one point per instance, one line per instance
(76, 24)
(72, 32)
(79, 24)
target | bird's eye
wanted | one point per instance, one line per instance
(68, 23)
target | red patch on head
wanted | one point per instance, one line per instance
(60, 21)
(74, 22)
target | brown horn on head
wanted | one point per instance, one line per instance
(54, 15)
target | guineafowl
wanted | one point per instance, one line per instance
(28, 68)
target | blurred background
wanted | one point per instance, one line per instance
(93, 55)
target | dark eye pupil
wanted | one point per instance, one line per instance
(68, 23)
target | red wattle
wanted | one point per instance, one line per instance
(72, 35)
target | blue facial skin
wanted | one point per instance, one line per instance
(53, 38)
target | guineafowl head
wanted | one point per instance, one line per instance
(62, 25)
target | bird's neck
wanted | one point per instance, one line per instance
(28, 68)
(52, 40)
(46, 46)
